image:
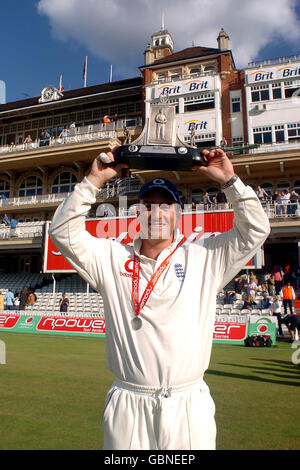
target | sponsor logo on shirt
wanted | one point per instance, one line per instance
(179, 271)
(128, 268)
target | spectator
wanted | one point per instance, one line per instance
(249, 302)
(229, 297)
(31, 298)
(17, 301)
(13, 226)
(221, 200)
(252, 288)
(261, 193)
(277, 273)
(1, 301)
(9, 300)
(64, 303)
(72, 125)
(293, 323)
(206, 200)
(6, 220)
(106, 120)
(127, 135)
(64, 134)
(265, 303)
(223, 142)
(23, 299)
(238, 285)
(276, 310)
(284, 201)
(114, 119)
(44, 138)
(297, 274)
(293, 203)
(28, 139)
(275, 197)
(287, 294)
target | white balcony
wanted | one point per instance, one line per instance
(76, 136)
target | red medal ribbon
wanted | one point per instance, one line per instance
(147, 292)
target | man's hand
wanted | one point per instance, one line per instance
(102, 171)
(219, 168)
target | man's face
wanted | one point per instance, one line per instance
(157, 214)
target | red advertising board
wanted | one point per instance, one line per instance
(231, 332)
(224, 332)
(8, 321)
(71, 325)
(193, 226)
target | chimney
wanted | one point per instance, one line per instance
(148, 54)
(223, 40)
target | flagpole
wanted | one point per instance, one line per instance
(85, 71)
(60, 83)
(111, 74)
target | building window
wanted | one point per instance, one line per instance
(282, 186)
(236, 105)
(279, 134)
(294, 132)
(175, 74)
(31, 186)
(268, 187)
(199, 102)
(237, 141)
(195, 71)
(276, 91)
(63, 183)
(209, 68)
(260, 93)
(262, 135)
(4, 188)
(297, 186)
(291, 87)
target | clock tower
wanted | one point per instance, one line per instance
(161, 45)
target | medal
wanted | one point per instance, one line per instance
(136, 323)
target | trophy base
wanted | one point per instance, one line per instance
(159, 157)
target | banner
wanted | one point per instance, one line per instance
(47, 324)
(193, 226)
(275, 72)
(265, 326)
(230, 332)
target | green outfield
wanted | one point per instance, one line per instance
(52, 393)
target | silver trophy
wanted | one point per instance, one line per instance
(159, 147)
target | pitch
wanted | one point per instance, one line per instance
(53, 388)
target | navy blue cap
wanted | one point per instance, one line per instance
(160, 183)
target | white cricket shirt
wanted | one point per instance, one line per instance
(173, 346)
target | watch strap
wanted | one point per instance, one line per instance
(230, 182)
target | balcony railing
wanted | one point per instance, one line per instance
(76, 135)
(275, 60)
(114, 188)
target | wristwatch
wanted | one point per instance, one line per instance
(229, 182)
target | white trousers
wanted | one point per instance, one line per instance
(143, 418)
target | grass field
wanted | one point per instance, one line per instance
(52, 393)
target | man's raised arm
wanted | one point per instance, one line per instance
(67, 230)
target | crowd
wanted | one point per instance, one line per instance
(287, 203)
(277, 289)
(7, 222)
(17, 301)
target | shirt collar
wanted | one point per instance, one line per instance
(137, 243)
